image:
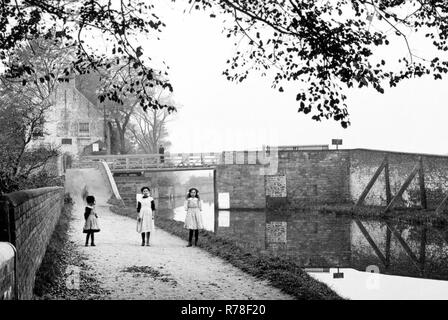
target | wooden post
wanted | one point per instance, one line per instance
(421, 179)
(404, 245)
(371, 183)
(387, 180)
(423, 250)
(370, 240)
(388, 238)
(441, 206)
(403, 187)
(215, 202)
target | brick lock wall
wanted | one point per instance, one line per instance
(248, 228)
(319, 241)
(313, 239)
(315, 176)
(129, 186)
(244, 183)
(35, 214)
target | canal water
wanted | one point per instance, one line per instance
(377, 259)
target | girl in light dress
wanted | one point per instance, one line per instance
(193, 219)
(145, 218)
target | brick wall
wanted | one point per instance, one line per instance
(364, 163)
(244, 183)
(315, 176)
(130, 184)
(32, 216)
(313, 239)
(305, 178)
(247, 228)
(317, 240)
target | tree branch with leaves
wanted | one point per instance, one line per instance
(70, 22)
(328, 47)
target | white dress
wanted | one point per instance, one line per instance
(193, 219)
(91, 224)
(146, 215)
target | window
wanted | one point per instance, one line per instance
(38, 131)
(84, 128)
(66, 141)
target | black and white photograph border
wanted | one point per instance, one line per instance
(223, 151)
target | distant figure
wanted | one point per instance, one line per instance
(91, 226)
(162, 152)
(145, 219)
(84, 193)
(193, 219)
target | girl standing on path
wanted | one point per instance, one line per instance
(193, 219)
(145, 219)
(91, 226)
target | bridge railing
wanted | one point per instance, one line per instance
(149, 161)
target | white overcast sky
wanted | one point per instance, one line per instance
(218, 115)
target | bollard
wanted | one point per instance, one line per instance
(8, 271)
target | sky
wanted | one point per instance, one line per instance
(218, 115)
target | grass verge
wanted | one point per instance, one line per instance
(61, 253)
(281, 272)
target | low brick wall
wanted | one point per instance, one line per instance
(27, 220)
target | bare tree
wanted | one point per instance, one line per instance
(20, 122)
(149, 129)
(120, 110)
(25, 102)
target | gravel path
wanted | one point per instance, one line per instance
(165, 270)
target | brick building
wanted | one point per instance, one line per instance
(72, 124)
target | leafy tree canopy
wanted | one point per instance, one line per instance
(329, 45)
(68, 23)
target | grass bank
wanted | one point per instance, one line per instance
(61, 253)
(281, 272)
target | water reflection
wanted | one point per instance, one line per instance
(329, 241)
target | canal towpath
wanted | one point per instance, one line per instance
(166, 270)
